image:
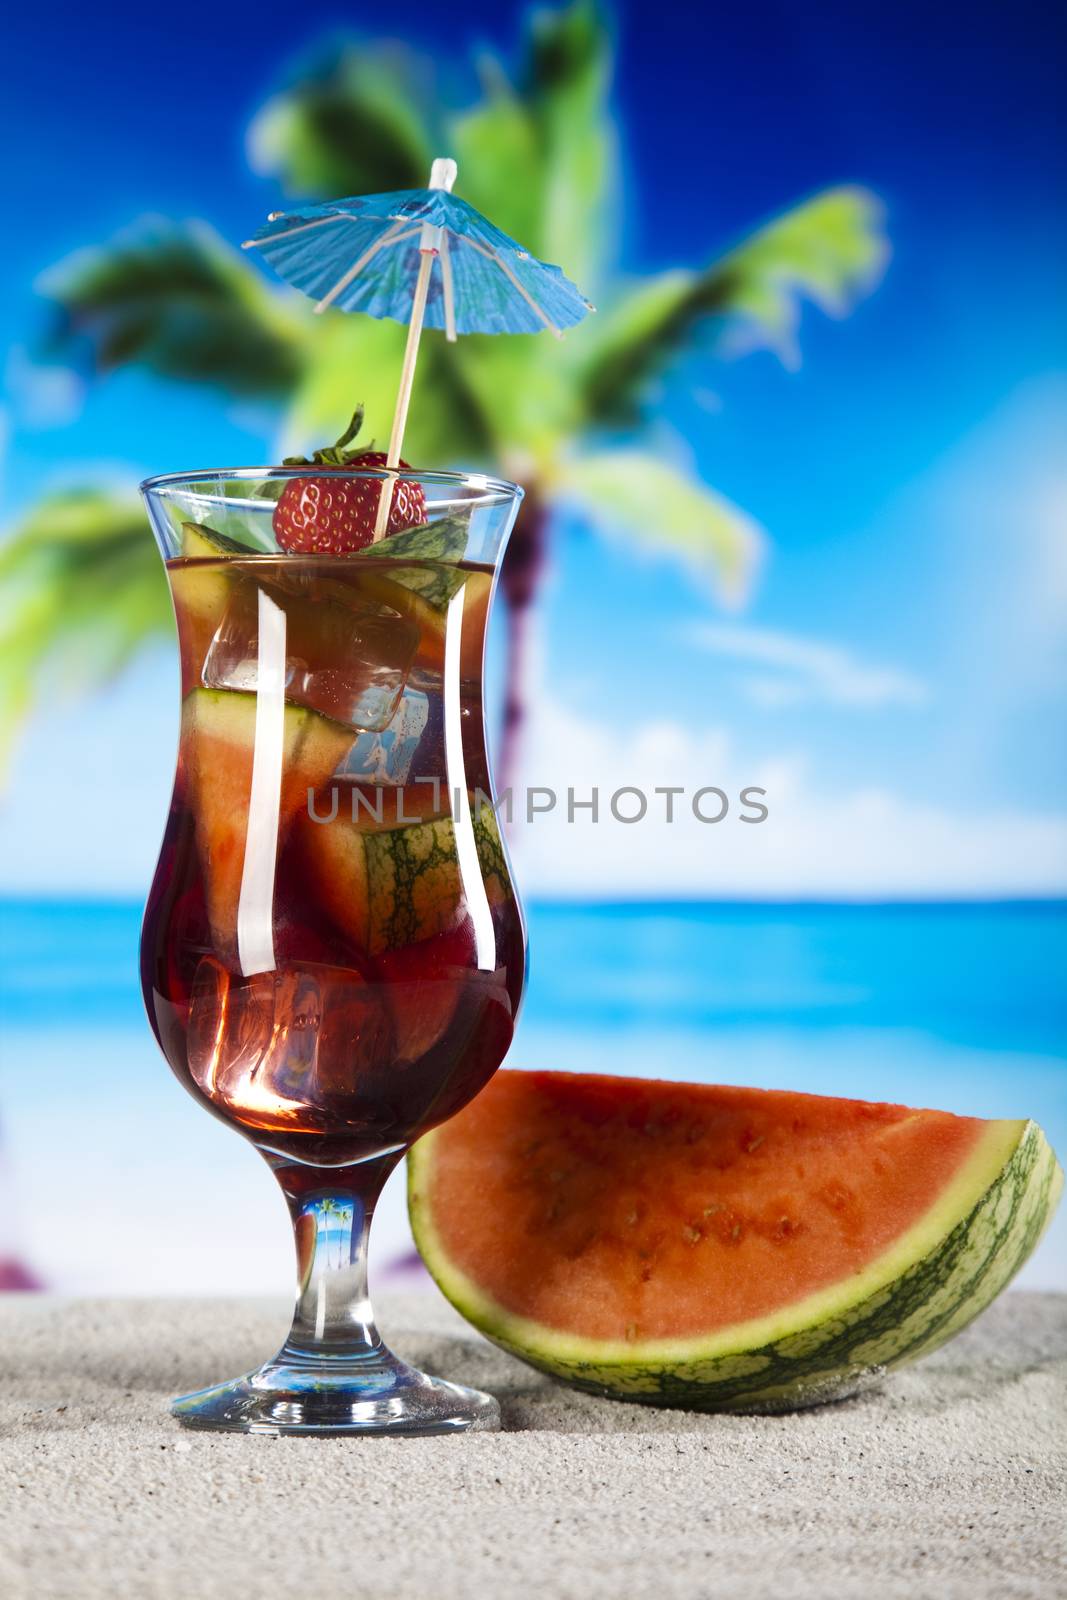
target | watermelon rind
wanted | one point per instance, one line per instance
(440, 545)
(417, 573)
(391, 887)
(313, 746)
(201, 543)
(934, 1280)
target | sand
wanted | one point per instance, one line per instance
(949, 1482)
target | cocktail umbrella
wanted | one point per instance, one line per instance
(376, 253)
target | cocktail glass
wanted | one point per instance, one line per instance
(333, 953)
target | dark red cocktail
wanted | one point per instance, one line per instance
(347, 1005)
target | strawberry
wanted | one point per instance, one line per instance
(334, 516)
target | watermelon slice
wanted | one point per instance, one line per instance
(201, 543)
(721, 1248)
(218, 745)
(201, 592)
(387, 887)
(423, 589)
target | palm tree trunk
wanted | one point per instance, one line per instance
(520, 576)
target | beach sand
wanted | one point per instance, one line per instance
(948, 1483)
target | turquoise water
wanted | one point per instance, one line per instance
(122, 1184)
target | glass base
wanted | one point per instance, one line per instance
(292, 1397)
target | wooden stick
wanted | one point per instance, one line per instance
(301, 227)
(403, 398)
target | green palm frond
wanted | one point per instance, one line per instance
(353, 122)
(83, 590)
(668, 512)
(554, 125)
(830, 250)
(174, 298)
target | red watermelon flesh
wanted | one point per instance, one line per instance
(624, 1208)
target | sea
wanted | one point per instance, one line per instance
(113, 1181)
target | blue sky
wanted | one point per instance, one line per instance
(897, 677)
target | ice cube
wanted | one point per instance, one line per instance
(232, 660)
(280, 1048)
(347, 659)
(387, 755)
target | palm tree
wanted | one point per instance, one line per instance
(538, 152)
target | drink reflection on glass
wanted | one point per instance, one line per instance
(333, 953)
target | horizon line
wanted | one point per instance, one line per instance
(859, 901)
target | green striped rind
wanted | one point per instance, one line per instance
(828, 1346)
(310, 738)
(402, 864)
(442, 543)
(203, 543)
(490, 848)
(413, 877)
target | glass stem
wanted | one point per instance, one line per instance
(332, 1212)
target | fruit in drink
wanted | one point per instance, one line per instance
(203, 597)
(421, 584)
(317, 516)
(202, 543)
(721, 1248)
(336, 516)
(387, 888)
(218, 738)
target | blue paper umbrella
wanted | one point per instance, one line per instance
(422, 257)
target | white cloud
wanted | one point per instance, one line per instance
(862, 843)
(798, 670)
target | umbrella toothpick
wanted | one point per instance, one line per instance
(488, 282)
